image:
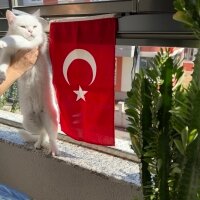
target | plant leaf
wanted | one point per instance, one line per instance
(179, 146)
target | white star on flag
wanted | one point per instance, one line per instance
(80, 93)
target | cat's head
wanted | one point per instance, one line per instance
(27, 26)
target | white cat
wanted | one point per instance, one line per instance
(36, 95)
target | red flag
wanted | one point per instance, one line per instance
(83, 58)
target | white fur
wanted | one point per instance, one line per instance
(36, 94)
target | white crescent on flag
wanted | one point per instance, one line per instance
(79, 54)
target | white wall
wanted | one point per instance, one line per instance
(127, 64)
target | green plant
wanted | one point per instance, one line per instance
(189, 138)
(3, 100)
(13, 95)
(188, 12)
(164, 128)
(165, 121)
(10, 98)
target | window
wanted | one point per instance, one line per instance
(147, 35)
(4, 4)
(48, 2)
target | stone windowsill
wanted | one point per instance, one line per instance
(121, 149)
(108, 167)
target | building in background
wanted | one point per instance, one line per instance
(126, 65)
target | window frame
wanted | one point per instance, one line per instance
(148, 32)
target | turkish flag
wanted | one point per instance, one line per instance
(83, 59)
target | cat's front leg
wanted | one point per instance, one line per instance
(3, 69)
(4, 61)
(4, 64)
(3, 44)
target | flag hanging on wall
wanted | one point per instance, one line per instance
(83, 59)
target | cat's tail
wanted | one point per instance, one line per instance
(28, 136)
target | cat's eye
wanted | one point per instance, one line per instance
(23, 26)
(35, 26)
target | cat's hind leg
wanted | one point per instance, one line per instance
(34, 129)
(42, 140)
(51, 127)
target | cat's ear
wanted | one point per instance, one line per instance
(36, 13)
(45, 24)
(10, 16)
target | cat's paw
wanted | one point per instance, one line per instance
(3, 44)
(54, 151)
(2, 77)
(45, 144)
(38, 145)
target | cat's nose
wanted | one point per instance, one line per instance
(30, 30)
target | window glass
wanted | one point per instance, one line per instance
(48, 2)
(4, 4)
